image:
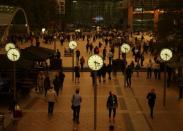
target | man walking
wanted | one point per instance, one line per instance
(76, 102)
(112, 104)
(56, 83)
(51, 97)
(151, 96)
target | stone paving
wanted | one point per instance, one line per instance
(132, 113)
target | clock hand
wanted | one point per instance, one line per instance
(14, 55)
(96, 64)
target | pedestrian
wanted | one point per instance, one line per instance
(128, 74)
(46, 84)
(111, 128)
(76, 105)
(56, 83)
(151, 96)
(109, 70)
(77, 56)
(137, 68)
(103, 71)
(112, 104)
(149, 69)
(77, 73)
(61, 76)
(40, 82)
(51, 98)
(104, 52)
(82, 61)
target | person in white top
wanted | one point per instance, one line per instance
(76, 104)
(51, 97)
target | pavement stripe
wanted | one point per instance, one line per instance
(140, 107)
(128, 123)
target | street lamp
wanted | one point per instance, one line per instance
(13, 55)
(95, 63)
(165, 54)
(72, 46)
(125, 48)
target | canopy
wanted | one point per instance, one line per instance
(21, 64)
(35, 53)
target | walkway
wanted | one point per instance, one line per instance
(132, 114)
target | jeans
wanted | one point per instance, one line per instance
(76, 111)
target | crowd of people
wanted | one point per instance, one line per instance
(104, 44)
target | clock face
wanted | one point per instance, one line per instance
(72, 45)
(125, 48)
(9, 46)
(166, 54)
(13, 54)
(95, 62)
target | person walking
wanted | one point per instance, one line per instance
(151, 97)
(51, 97)
(82, 61)
(46, 84)
(77, 73)
(61, 76)
(112, 104)
(109, 70)
(128, 76)
(56, 83)
(77, 56)
(76, 105)
(149, 69)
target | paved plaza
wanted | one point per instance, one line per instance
(132, 113)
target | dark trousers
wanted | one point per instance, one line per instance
(151, 106)
(112, 110)
(149, 73)
(50, 107)
(76, 111)
(128, 81)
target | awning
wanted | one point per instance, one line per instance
(21, 64)
(35, 53)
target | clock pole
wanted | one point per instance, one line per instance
(73, 65)
(95, 63)
(126, 48)
(14, 81)
(95, 100)
(72, 46)
(165, 85)
(165, 55)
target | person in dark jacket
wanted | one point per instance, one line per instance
(128, 75)
(46, 84)
(112, 104)
(77, 73)
(109, 70)
(56, 83)
(151, 97)
(61, 76)
(103, 71)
